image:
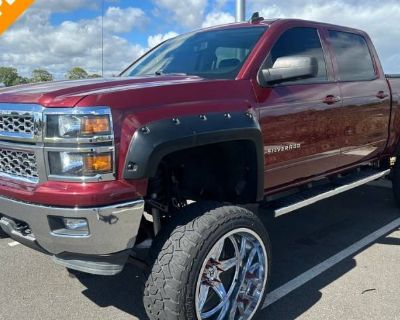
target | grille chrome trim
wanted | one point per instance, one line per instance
(36, 150)
(23, 140)
(28, 114)
(19, 164)
(17, 123)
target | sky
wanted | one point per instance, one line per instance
(60, 34)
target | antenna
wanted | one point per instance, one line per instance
(102, 38)
(256, 18)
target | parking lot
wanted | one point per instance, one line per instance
(337, 259)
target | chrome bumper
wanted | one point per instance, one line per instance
(112, 229)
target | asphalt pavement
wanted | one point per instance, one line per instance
(337, 259)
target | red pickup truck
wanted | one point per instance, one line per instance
(158, 164)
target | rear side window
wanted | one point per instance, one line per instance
(303, 42)
(352, 55)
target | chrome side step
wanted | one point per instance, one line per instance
(302, 200)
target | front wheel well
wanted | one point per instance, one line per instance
(225, 172)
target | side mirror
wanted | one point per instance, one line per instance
(287, 69)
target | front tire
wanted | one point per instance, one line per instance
(212, 263)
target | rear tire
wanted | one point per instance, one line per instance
(3, 234)
(396, 182)
(212, 260)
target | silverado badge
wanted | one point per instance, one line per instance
(282, 148)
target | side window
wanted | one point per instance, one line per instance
(352, 55)
(303, 42)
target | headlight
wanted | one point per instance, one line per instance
(80, 164)
(79, 144)
(75, 126)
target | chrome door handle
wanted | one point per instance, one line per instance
(331, 99)
(381, 95)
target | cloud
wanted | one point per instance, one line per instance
(34, 42)
(188, 13)
(64, 5)
(217, 18)
(156, 39)
(219, 4)
(37, 41)
(119, 20)
(377, 21)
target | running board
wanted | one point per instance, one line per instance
(304, 199)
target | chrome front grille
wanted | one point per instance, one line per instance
(21, 142)
(19, 123)
(19, 164)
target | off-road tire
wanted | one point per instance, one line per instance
(3, 234)
(396, 182)
(179, 251)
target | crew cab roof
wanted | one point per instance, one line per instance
(269, 22)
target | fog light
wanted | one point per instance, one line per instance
(69, 227)
(76, 224)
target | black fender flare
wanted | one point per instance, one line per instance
(152, 142)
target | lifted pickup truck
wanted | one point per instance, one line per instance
(279, 112)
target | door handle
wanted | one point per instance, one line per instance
(331, 99)
(381, 95)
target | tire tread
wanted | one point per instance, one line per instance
(174, 254)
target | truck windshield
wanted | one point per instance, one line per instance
(214, 54)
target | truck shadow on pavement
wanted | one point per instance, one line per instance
(122, 291)
(300, 241)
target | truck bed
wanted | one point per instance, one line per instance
(394, 84)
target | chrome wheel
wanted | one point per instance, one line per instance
(233, 277)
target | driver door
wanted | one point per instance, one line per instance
(300, 118)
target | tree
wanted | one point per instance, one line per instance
(20, 80)
(8, 76)
(95, 75)
(41, 75)
(77, 73)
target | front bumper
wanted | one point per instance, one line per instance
(112, 229)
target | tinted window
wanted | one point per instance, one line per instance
(209, 54)
(352, 55)
(226, 54)
(300, 42)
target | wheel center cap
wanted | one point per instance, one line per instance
(212, 273)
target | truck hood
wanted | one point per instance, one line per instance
(69, 93)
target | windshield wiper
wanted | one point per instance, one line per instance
(162, 73)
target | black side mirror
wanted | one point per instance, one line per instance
(288, 69)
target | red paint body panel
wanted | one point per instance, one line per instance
(334, 137)
(74, 194)
(296, 114)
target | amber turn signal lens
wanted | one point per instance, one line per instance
(95, 125)
(98, 163)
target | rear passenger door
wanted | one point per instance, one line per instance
(365, 95)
